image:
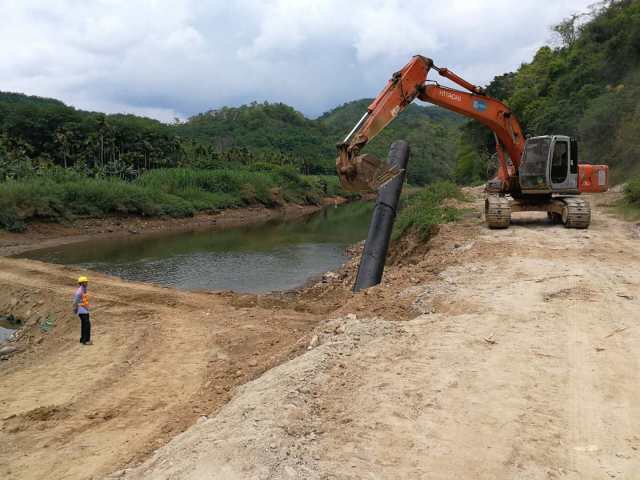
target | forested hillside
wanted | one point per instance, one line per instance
(57, 162)
(38, 132)
(587, 86)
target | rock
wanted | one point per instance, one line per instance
(314, 342)
(253, 362)
(202, 418)
(290, 472)
(8, 349)
(352, 317)
(340, 329)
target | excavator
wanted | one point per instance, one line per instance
(534, 174)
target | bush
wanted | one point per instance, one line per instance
(62, 194)
(423, 211)
(632, 191)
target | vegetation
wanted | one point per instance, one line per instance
(587, 86)
(433, 134)
(57, 162)
(63, 194)
(426, 209)
(275, 133)
(629, 206)
(38, 132)
(632, 191)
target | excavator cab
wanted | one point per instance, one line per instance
(549, 165)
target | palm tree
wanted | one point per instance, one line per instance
(62, 139)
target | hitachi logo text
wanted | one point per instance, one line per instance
(450, 95)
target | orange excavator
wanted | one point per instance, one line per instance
(535, 174)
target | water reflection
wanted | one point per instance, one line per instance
(276, 255)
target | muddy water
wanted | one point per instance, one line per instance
(277, 255)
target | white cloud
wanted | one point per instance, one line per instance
(175, 58)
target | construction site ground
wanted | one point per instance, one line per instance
(485, 354)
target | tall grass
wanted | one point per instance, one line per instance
(629, 206)
(632, 191)
(424, 210)
(164, 192)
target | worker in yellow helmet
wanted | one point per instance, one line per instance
(81, 308)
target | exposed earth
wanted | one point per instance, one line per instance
(484, 354)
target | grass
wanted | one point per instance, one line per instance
(424, 210)
(174, 192)
(629, 206)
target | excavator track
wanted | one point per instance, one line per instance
(576, 212)
(497, 211)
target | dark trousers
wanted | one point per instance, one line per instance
(85, 328)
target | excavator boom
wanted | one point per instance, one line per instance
(365, 172)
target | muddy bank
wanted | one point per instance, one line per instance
(44, 235)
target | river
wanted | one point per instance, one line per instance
(272, 256)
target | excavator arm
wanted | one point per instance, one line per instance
(365, 172)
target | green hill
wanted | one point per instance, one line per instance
(587, 87)
(43, 131)
(275, 131)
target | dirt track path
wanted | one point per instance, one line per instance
(525, 364)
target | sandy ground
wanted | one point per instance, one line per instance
(160, 360)
(486, 354)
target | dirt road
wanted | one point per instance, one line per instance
(525, 364)
(487, 354)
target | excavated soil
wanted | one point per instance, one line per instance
(484, 354)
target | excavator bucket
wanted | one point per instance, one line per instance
(364, 173)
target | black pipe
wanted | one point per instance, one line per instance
(375, 248)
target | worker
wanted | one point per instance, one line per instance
(81, 308)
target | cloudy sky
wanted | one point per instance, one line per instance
(174, 58)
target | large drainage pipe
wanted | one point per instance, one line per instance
(375, 248)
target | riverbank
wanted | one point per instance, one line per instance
(46, 235)
(468, 338)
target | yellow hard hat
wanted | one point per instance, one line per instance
(83, 279)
